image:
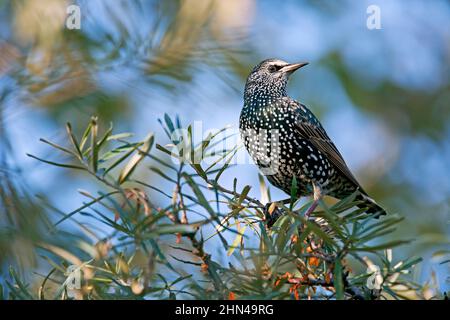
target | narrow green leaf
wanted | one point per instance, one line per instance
(63, 165)
(121, 159)
(134, 161)
(162, 174)
(179, 279)
(176, 228)
(85, 136)
(120, 136)
(165, 129)
(409, 264)
(294, 189)
(375, 234)
(345, 203)
(223, 156)
(54, 145)
(284, 233)
(338, 280)
(198, 168)
(169, 123)
(163, 163)
(94, 149)
(198, 193)
(244, 194)
(19, 285)
(237, 240)
(117, 151)
(385, 223)
(67, 216)
(320, 233)
(73, 139)
(383, 246)
(105, 137)
(167, 151)
(225, 166)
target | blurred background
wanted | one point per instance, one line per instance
(383, 96)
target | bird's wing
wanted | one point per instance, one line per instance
(309, 128)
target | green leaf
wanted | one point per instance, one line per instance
(54, 145)
(237, 240)
(338, 280)
(105, 137)
(94, 149)
(223, 156)
(163, 163)
(198, 168)
(63, 165)
(73, 139)
(169, 123)
(383, 246)
(332, 220)
(120, 136)
(265, 241)
(345, 203)
(320, 233)
(117, 151)
(408, 264)
(167, 151)
(19, 285)
(179, 279)
(225, 166)
(85, 136)
(375, 234)
(176, 228)
(134, 161)
(198, 193)
(217, 281)
(153, 188)
(385, 223)
(67, 216)
(162, 174)
(207, 142)
(294, 189)
(244, 194)
(121, 159)
(284, 232)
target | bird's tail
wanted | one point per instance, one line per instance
(372, 207)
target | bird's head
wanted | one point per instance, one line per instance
(268, 79)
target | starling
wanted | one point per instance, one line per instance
(286, 140)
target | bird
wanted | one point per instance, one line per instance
(287, 141)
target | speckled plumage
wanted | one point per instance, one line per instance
(285, 139)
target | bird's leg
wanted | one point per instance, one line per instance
(317, 196)
(272, 212)
(269, 204)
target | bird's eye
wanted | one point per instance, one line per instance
(274, 68)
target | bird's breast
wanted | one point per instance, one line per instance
(270, 136)
(268, 133)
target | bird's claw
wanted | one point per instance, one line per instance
(272, 213)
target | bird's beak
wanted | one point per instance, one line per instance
(290, 68)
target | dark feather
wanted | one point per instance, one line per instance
(316, 134)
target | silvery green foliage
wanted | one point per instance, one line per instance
(134, 248)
